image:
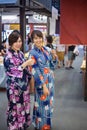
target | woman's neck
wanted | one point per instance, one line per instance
(39, 47)
(14, 49)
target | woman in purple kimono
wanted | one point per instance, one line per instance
(42, 70)
(18, 77)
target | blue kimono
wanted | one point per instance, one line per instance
(43, 73)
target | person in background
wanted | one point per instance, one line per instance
(29, 38)
(60, 54)
(17, 84)
(49, 41)
(3, 48)
(84, 49)
(71, 57)
(50, 46)
(30, 44)
(44, 82)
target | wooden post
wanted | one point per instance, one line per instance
(23, 22)
(48, 25)
(85, 86)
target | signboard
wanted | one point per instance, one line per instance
(14, 27)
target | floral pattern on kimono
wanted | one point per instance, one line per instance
(18, 111)
(43, 106)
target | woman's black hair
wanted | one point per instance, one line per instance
(37, 33)
(49, 39)
(13, 37)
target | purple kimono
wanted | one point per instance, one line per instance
(18, 112)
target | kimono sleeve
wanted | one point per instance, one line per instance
(11, 69)
(52, 62)
(39, 77)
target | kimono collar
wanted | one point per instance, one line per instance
(41, 49)
(13, 51)
(37, 49)
(44, 50)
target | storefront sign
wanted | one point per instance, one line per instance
(14, 27)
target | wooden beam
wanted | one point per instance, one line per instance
(0, 28)
(22, 22)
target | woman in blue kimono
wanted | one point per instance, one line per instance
(44, 62)
(18, 77)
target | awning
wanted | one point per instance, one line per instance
(7, 2)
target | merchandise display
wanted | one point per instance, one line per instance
(83, 65)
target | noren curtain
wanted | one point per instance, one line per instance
(73, 21)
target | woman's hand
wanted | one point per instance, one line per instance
(27, 63)
(45, 90)
(54, 53)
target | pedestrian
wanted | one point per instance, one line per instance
(30, 44)
(44, 82)
(18, 78)
(3, 48)
(71, 57)
(49, 41)
(60, 54)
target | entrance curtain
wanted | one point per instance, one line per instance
(73, 22)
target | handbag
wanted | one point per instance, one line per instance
(76, 51)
